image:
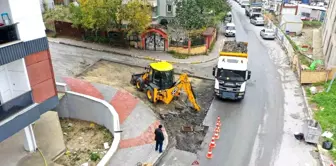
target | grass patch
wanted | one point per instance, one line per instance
(312, 24)
(304, 60)
(212, 46)
(178, 55)
(326, 114)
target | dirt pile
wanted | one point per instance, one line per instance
(84, 142)
(175, 116)
(234, 46)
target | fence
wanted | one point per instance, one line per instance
(305, 76)
(114, 38)
(198, 45)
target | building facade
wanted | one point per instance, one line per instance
(27, 85)
(162, 11)
(329, 36)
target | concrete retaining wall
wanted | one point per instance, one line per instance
(78, 106)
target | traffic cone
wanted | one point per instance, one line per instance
(217, 128)
(218, 124)
(209, 154)
(212, 143)
(216, 134)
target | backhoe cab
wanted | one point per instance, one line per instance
(159, 84)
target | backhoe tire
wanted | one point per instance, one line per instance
(139, 84)
(150, 94)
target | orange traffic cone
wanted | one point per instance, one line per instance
(212, 143)
(218, 124)
(216, 134)
(209, 154)
(217, 128)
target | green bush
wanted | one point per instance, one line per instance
(94, 156)
(312, 24)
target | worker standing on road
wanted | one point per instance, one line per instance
(159, 137)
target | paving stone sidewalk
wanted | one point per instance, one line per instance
(142, 54)
(137, 122)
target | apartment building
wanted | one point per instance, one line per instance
(27, 85)
(162, 10)
(329, 36)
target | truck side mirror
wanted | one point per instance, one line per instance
(214, 71)
(249, 75)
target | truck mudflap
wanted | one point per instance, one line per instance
(231, 95)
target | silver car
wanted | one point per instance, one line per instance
(267, 34)
(257, 21)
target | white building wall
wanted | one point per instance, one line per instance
(14, 80)
(28, 14)
(5, 91)
(329, 36)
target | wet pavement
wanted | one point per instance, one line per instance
(258, 131)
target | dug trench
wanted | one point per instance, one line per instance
(183, 124)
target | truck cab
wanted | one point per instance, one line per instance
(255, 9)
(231, 75)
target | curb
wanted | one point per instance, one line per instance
(310, 113)
(133, 56)
(139, 66)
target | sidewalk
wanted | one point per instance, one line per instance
(142, 54)
(49, 138)
(137, 122)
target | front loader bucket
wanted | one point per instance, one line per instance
(135, 77)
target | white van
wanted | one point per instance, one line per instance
(230, 30)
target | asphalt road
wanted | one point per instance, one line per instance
(257, 131)
(253, 131)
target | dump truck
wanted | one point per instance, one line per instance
(253, 9)
(159, 85)
(231, 72)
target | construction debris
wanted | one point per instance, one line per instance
(234, 46)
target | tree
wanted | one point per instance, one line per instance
(189, 15)
(137, 13)
(103, 14)
(196, 14)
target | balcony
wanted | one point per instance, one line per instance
(15, 105)
(8, 34)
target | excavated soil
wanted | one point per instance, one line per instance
(83, 139)
(233, 46)
(175, 115)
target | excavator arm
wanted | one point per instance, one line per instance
(184, 83)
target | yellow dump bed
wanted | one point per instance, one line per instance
(233, 48)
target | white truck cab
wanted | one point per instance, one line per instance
(231, 75)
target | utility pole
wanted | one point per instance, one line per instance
(331, 82)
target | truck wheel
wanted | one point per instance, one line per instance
(150, 94)
(139, 84)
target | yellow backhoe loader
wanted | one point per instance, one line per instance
(159, 85)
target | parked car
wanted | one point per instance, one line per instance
(230, 30)
(257, 20)
(267, 33)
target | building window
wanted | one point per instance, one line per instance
(169, 8)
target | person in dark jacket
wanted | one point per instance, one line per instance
(159, 138)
